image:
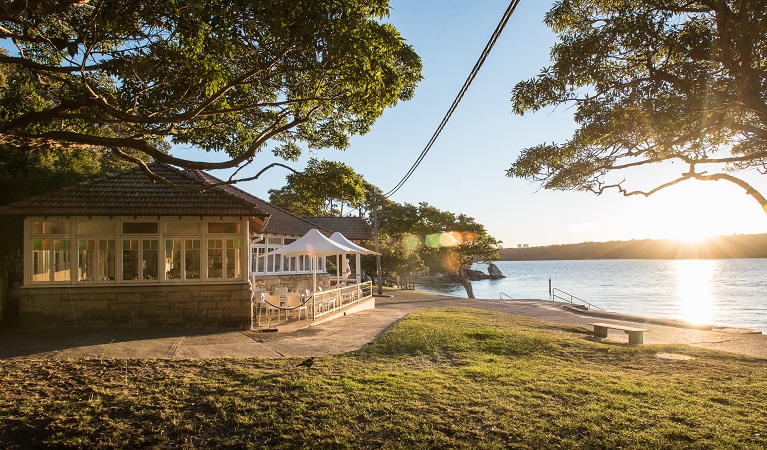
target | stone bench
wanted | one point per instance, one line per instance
(636, 335)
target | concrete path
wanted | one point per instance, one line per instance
(341, 335)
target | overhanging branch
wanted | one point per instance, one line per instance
(750, 190)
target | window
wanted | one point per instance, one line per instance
(41, 260)
(233, 247)
(215, 258)
(50, 227)
(96, 260)
(150, 254)
(130, 259)
(187, 228)
(173, 266)
(51, 260)
(224, 227)
(258, 261)
(140, 227)
(186, 267)
(136, 250)
(192, 260)
(140, 259)
(95, 227)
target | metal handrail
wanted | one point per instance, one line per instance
(554, 296)
(500, 296)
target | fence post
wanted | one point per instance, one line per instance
(551, 294)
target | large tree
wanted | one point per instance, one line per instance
(453, 242)
(229, 76)
(323, 188)
(651, 82)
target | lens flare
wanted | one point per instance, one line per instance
(411, 242)
(469, 236)
(450, 239)
(432, 240)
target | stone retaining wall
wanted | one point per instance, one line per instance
(178, 306)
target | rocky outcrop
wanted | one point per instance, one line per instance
(494, 272)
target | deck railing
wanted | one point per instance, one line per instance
(333, 300)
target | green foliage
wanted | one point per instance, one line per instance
(398, 256)
(322, 189)
(411, 238)
(445, 241)
(27, 169)
(230, 76)
(651, 82)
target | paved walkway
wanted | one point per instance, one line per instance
(334, 337)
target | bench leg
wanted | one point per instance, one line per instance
(600, 331)
(636, 337)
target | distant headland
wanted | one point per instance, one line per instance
(734, 246)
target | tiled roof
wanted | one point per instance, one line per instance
(284, 223)
(133, 193)
(354, 228)
(280, 221)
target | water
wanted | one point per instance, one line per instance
(730, 292)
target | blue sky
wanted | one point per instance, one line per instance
(465, 169)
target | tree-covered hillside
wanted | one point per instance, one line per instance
(735, 246)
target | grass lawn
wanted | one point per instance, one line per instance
(440, 378)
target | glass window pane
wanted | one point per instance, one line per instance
(106, 260)
(41, 263)
(150, 259)
(61, 261)
(215, 258)
(86, 260)
(182, 228)
(192, 259)
(130, 259)
(50, 227)
(224, 227)
(173, 259)
(96, 227)
(233, 247)
(140, 227)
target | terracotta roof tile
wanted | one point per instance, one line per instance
(280, 221)
(354, 228)
(133, 193)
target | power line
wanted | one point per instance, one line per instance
(496, 34)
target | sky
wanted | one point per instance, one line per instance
(465, 170)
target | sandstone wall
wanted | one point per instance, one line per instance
(179, 306)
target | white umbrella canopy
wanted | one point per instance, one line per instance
(341, 239)
(314, 244)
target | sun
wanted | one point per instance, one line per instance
(696, 211)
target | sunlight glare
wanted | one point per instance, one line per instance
(696, 210)
(693, 289)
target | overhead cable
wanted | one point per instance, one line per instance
(496, 34)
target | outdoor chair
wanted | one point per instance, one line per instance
(274, 303)
(294, 301)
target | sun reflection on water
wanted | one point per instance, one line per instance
(693, 289)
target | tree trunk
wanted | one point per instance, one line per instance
(464, 280)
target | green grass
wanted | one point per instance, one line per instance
(440, 378)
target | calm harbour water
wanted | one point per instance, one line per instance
(720, 291)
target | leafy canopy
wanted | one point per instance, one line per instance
(228, 76)
(322, 189)
(412, 238)
(652, 81)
